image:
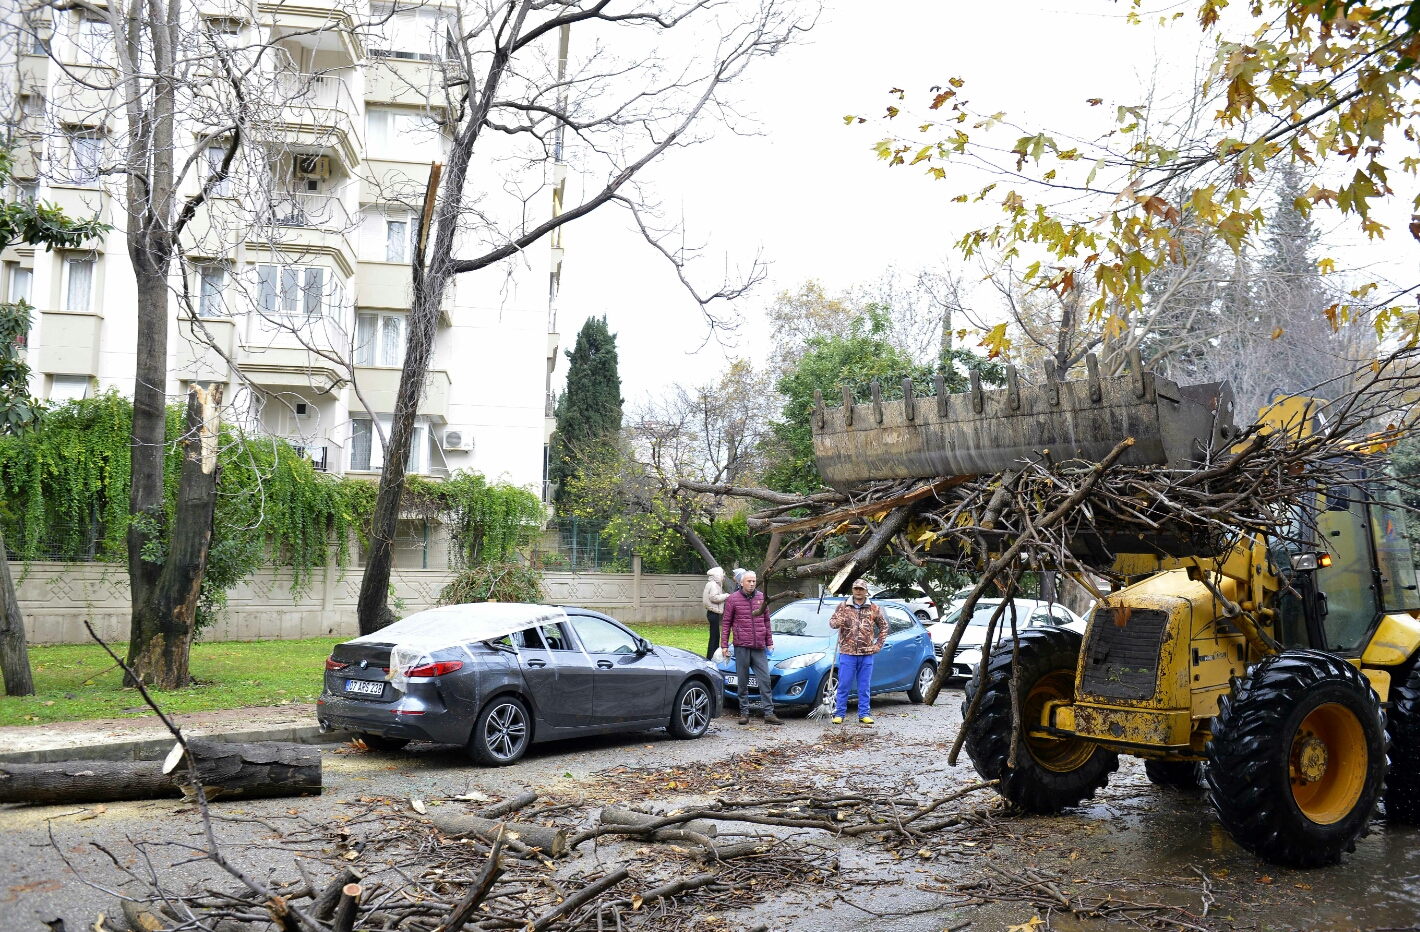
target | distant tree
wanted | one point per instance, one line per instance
(867, 352)
(36, 224)
(589, 411)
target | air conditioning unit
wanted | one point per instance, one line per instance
(312, 166)
(458, 440)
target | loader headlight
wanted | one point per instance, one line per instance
(799, 662)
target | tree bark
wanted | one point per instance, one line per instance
(688, 532)
(164, 622)
(14, 655)
(247, 771)
(552, 841)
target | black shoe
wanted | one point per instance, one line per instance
(771, 719)
(744, 716)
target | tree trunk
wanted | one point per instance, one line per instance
(688, 532)
(552, 841)
(246, 771)
(14, 656)
(164, 623)
(148, 519)
(372, 610)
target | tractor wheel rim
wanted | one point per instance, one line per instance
(1060, 755)
(1328, 763)
(694, 709)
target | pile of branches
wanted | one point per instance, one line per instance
(1074, 516)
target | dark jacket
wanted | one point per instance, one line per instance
(746, 620)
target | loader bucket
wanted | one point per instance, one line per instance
(986, 432)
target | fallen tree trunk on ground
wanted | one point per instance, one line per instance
(613, 815)
(552, 841)
(246, 771)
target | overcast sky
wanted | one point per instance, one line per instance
(809, 195)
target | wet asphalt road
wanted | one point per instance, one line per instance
(1155, 845)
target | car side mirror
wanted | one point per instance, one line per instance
(643, 646)
(1323, 608)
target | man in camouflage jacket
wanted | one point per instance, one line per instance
(862, 630)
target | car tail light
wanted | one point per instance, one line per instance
(332, 664)
(435, 669)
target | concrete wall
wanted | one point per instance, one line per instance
(57, 598)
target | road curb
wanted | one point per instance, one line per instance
(156, 748)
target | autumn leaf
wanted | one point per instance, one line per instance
(1277, 334)
(996, 341)
(1034, 923)
(1095, 101)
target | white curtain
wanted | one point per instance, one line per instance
(79, 294)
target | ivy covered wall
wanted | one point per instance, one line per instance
(65, 497)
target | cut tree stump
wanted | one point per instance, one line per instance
(228, 771)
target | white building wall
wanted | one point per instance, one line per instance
(493, 349)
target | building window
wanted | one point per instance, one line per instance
(69, 388)
(413, 34)
(362, 442)
(298, 292)
(79, 284)
(215, 155)
(379, 340)
(397, 241)
(403, 134)
(86, 153)
(211, 291)
(367, 456)
(93, 41)
(21, 280)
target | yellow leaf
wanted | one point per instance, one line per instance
(1277, 334)
(1030, 926)
(1327, 265)
(996, 341)
(636, 901)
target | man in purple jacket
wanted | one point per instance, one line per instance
(747, 623)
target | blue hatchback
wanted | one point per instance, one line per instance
(803, 664)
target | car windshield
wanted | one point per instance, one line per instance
(804, 618)
(979, 618)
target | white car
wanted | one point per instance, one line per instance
(921, 604)
(1030, 613)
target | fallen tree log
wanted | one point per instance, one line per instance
(552, 841)
(613, 815)
(227, 771)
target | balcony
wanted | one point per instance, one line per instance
(379, 385)
(69, 342)
(386, 285)
(394, 77)
(319, 112)
(201, 347)
(273, 357)
(297, 223)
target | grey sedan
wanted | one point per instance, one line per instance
(499, 677)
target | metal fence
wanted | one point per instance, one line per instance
(59, 541)
(581, 546)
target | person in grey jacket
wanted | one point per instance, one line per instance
(714, 599)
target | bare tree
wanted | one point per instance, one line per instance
(625, 104)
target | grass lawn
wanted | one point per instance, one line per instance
(78, 681)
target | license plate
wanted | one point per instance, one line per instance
(732, 679)
(365, 687)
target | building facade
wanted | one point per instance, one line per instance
(294, 287)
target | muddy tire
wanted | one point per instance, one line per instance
(381, 743)
(1297, 758)
(1402, 782)
(1051, 774)
(1175, 774)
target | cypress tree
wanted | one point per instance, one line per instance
(589, 411)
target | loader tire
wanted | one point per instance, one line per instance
(1051, 774)
(1297, 758)
(1402, 782)
(1175, 774)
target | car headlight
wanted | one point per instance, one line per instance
(799, 662)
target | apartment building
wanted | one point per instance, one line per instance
(297, 271)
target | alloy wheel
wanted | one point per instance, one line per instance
(505, 731)
(925, 676)
(695, 709)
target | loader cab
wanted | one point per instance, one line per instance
(1355, 567)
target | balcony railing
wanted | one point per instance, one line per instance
(300, 209)
(551, 408)
(323, 91)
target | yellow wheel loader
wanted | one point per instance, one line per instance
(1283, 673)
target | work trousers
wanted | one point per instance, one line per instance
(714, 619)
(745, 658)
(853, 669)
